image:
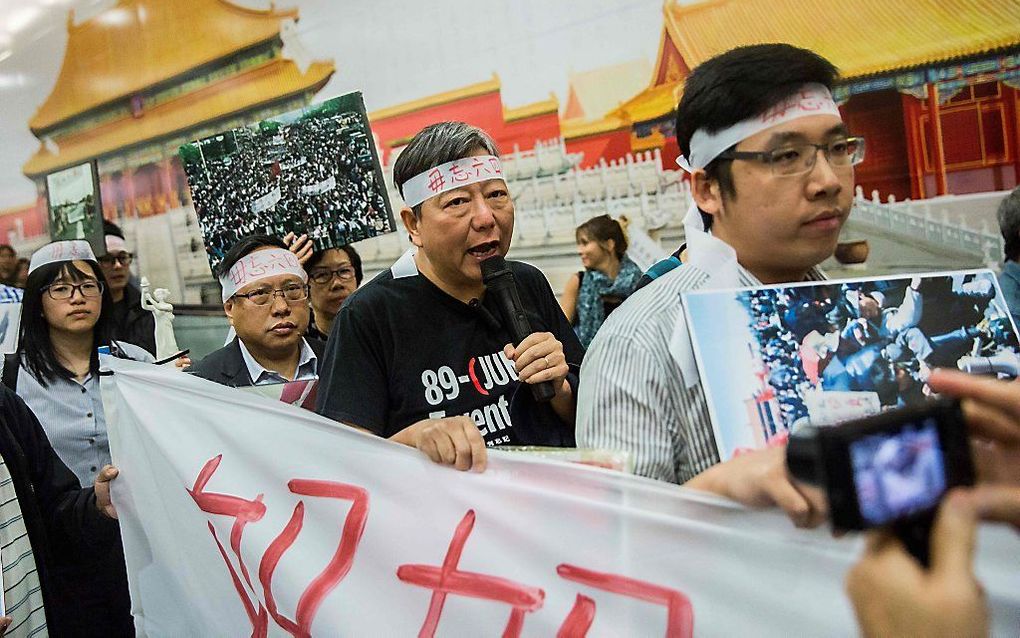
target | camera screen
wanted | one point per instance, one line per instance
(898, 473)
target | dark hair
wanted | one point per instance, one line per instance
(35, 342)
(603, 228)
(7, 248)
(435, 145)
(109, 228)
(351, 254)
(739, 84)
(244, 246)
(1009, 224)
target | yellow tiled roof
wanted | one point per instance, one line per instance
(481, 88)
(275, 80)
(139, 43)
(551, 105)
(653, 102)
(861, 37)
(577, 128)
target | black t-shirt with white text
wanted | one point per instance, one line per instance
(401, 350)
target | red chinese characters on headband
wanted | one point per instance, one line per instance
(263, 263)
(804, 101)
(464, 171)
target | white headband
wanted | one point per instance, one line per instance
(67, 250)
(115, 244)
(811, 99)
(451, 175)
(268, 262)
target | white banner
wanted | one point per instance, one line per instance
(267, 201)
(242, 515)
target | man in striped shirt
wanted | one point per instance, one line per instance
(771, 165)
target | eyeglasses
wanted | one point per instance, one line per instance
(88, 289)
(123, 257)
(797, 159)
(344, 273)
(262, 296)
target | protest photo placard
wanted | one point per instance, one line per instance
(74, 205)
(312, 171)
(776, 357)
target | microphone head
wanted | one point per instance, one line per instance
(492, 268)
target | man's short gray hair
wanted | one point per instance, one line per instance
(1009, 224)
(436, 145)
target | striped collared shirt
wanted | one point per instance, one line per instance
(307, 368)
(632, 395)
(71, 413)
(22, 590)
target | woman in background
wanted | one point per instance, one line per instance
(333, 274)
(608, 278)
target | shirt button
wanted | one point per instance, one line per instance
(92, 441)
(92, 469)
(83, 390)
(89, 415)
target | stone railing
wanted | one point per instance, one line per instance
(920, 220)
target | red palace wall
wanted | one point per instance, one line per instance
(610, 145)
(878, 117)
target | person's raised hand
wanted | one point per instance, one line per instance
(540, 358)
(302, 247)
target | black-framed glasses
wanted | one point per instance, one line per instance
(125, 258)
(797, 159)
(88, 289)
(343, 273)
(262, 296)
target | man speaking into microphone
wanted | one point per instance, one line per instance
(432, 354)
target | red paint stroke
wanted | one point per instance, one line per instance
(579, 620)
(449, 580)
(244, 512)
(337, 568)
(474, 377)
(680, 614)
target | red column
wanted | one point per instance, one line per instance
(169, 185)
(128, 191)
(938, 152)
(915, 149)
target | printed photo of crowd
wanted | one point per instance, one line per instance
(821, 353)
(313, 171)
(72, 195)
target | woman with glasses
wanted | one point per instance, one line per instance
(65, 318)
(265, 297)
(333, 274)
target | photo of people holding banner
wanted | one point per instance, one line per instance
(312, 172)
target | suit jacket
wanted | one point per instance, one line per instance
(226, 366)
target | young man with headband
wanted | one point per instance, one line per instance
(265, 296)
(771, 165)
(420, 354)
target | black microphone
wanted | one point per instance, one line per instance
(500, 283)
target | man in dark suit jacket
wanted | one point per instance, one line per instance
(265, 295)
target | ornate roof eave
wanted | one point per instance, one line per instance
(272, 82)
(89, 42)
